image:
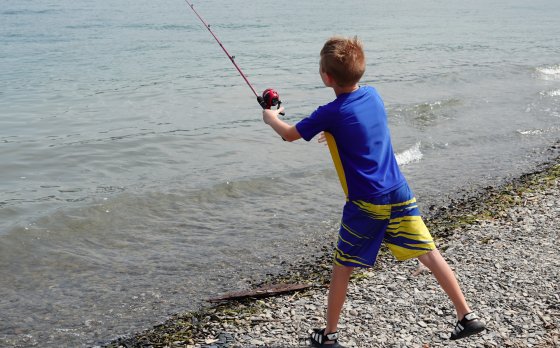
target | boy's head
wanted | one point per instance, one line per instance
(343, 60)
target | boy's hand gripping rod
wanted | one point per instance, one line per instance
(269, 97)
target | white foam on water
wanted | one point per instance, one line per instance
(410, 155)
(550, 72)
(553, 93)
(530, 131)
(537, 131)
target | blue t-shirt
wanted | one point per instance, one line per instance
(359, 141)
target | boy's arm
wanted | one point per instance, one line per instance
(286, 131)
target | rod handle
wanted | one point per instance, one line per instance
(262, 103)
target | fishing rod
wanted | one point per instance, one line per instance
(269, 97)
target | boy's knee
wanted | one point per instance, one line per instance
(343, 269)
(430, 257)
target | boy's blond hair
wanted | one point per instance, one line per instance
(344, 60)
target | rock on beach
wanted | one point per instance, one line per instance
(507, 260)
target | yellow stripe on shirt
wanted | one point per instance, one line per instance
(337, 162)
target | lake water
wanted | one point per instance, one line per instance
(137, 178)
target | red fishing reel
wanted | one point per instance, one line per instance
(269, 99)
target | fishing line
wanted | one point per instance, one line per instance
(269, 97)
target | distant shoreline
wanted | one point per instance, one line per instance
(212, 326)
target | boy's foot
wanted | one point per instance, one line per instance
(469, 325)
(321, 340)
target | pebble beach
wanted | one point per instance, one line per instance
(501, 243)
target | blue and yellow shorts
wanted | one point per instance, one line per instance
(393, 218)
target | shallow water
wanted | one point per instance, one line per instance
(137, 176)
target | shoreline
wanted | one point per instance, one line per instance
(476, 224)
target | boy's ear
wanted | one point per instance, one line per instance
(329, 78)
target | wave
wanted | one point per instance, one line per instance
(153, 26)
(27, 12)
(549, 72)
(428, 113)
(553, 93)
(538, 131)
(410, 155)
(530, 131)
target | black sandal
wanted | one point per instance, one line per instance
(469, 325)
(318, 339)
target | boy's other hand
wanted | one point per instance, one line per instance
(269, 115)
(322, 138)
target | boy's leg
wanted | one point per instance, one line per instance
(337, 295)
(447, 280)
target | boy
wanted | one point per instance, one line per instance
(380, 207)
